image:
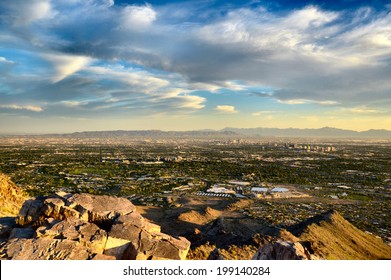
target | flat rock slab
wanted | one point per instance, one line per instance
(100, 208)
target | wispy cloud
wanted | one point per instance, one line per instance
(263, 113)
(362, 110)
(22, 107)
(307, 101)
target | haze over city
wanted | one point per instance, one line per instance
(73, 65)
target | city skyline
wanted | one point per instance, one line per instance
(69, 66)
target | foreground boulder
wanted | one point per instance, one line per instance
(84, 226)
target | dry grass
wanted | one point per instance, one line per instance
(337, 239)
(233, 252)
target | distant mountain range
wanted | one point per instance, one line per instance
(230, 132)
(325, 132)
(153, 134)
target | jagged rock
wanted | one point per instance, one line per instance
(53, 207)
(87, 234)
(145, 244)
(30, 212)
(282, 250)
(88, 227)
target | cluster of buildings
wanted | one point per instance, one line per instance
(311, 148)
(245, 189)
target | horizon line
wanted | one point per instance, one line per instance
(191, 130)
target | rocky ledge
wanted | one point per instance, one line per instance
(83, 226)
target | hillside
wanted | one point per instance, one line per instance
(11, 197)
(330, 236)
(220, 230)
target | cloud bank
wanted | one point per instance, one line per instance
(97, 57)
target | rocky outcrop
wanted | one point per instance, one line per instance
(11, 197)
(84, 226)
(282, 250)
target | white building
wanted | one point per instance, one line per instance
(259, 190)
(280, 190)
(217, 189)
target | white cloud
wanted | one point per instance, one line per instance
(66, 65)
(308, 17)
(294, 101)
(135, 17)
(72, 103)
(23, 107)
(227, 109)
(4, 60)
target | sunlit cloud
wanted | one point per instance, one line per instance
(227, 109)
(135, 17)
(22, 107)
(306, 101)
(66, 65)
(362, 110)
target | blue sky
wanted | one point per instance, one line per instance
(74, 65)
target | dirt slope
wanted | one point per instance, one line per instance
(197, 218)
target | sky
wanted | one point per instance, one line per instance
(83, 65)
